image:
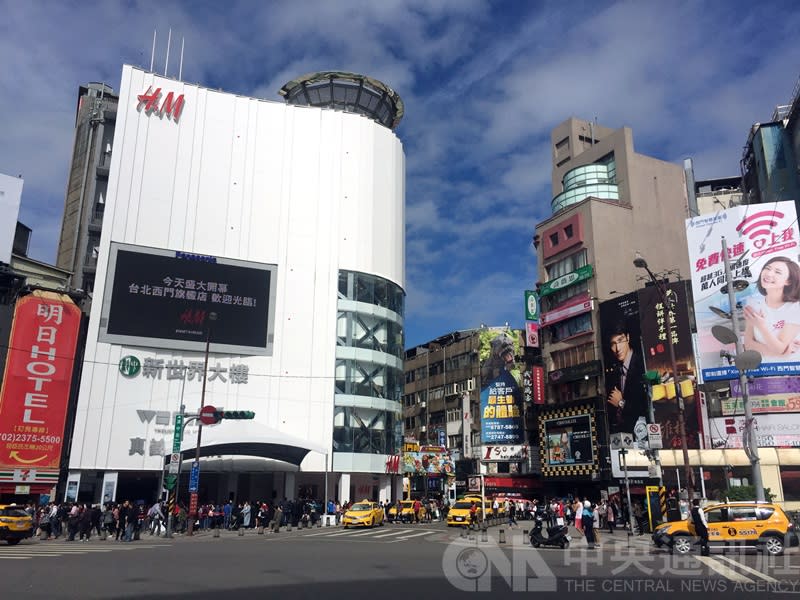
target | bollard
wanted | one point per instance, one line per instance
(241, 531)
(484, 535)
(288, 525)
(216, 532)
(463, 532)
(319, 523)
(261, 530)
(501, 536)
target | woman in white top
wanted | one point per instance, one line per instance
(773, 321)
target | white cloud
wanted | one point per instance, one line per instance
(483, 84)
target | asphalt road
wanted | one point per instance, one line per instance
(395, 561)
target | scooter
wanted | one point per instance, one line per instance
(556, 537)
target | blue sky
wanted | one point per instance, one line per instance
(483, 84)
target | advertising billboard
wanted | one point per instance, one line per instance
(762, 243)
(765, 395)
(434, 460)
(568, 442)
(772, 431)
(165, 299)
(36, 383)
(501, 388)
(634, 341)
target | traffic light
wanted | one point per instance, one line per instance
(237, 414)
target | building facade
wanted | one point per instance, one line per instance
(608, 201)
(87, 184)
(266, 241)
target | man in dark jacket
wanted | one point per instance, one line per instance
(700, 526)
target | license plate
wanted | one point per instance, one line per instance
(459, 518)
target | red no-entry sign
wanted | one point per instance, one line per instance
(208, 415)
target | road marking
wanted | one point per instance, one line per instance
(721, 569)
(413, 535)
(385, 535)
(750, 570)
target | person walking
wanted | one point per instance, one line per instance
(588, 524)
(700, 526)
(511, 511)
(610, 518)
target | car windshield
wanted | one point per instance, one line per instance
(462, 505)
(12, 512)
(361, 506)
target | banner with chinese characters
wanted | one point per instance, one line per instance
(163, 298)
(501, 388)
(762, 243)
(772, 431)
(36, 383)
(766, 395)
(629, 325)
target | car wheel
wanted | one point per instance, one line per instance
(682, 544)
(773, 545)
(13, 542)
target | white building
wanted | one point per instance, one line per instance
(286, 222)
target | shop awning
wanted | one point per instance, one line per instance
(249, 438)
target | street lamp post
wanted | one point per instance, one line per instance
(744, 360)
(641, 263)
(212, 316)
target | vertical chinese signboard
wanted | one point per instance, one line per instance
(652, 317)
(36, 387)
(501, 388)
(762, 243)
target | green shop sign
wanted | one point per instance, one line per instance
(581, 274)
(531, 306)
(130, 366)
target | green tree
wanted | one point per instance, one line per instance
(747, 492)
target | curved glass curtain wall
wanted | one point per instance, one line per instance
(367, 415)
(598, 180)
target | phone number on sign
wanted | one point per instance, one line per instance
(29, 437)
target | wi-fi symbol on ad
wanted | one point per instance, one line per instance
(759, 224)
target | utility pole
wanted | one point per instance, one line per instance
(749, 439)
(666, 298)
(212, 316)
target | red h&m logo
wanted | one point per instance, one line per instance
(393, 464)
(171, 106)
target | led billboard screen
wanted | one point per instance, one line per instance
(165, 299)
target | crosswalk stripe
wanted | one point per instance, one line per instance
(413, 535)
(721, 569)
(750, 570)
(385, 535)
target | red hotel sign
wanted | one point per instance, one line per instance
(150, 103)
(37, 380)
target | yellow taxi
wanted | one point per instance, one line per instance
(458, 515)
(364, 513)
(15, 524)
(761, 525)
(406, 511)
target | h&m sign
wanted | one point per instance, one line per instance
(150, 102)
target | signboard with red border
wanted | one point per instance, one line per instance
(37, 380)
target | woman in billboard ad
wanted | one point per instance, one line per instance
(772, 316)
